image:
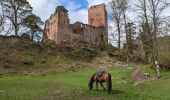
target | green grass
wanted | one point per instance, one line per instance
(30, 71)
(73, 86)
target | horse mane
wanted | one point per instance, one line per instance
(91, 81)
(109, 86)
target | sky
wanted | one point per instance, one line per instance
(78, 9)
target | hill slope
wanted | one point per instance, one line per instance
(19, 55)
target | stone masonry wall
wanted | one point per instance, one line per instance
(97, 15)
(51, 27)
(87, 33)
(63, 28)
(59, 29)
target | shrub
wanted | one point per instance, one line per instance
(60, 9)
(25, 36)
(164, 60)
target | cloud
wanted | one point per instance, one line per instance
(80, 15)
(43, 8)
(77, 11)
(95, 2)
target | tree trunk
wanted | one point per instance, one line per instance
(16, 22)
(16, 31)
(127, 42)
(154, 35)
(118, 27)
(32, 35)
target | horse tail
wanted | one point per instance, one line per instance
(109, 84)
(91, 81)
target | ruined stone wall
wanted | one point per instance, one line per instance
(88, 33)
(62, 33)
(51, 27)
(59, 29)
(97, 15)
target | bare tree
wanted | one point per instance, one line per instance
(5, 25)
(145, 25)
(16, 11)
(119, 14)
(116, 7)
(156, 7)
(124, 10)
(150, 12)
(1, 17)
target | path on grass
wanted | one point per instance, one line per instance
(140, 78)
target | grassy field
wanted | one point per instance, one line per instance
(31, 71)
(73, 86)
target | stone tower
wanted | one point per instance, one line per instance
(97, 15)
(57, 27)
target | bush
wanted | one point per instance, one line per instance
(49, 44)
(116, 53)
(60, 9)
(25, 36)
(164, 61)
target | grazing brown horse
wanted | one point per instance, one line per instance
(101, 77)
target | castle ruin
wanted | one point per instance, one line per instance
(59, 29)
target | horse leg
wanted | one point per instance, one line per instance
(97, 85)
(102, 85)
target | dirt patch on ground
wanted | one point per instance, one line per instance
(140, 78)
